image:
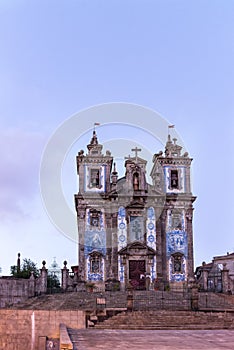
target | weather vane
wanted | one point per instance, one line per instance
(95, 124)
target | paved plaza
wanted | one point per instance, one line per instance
(155, 339)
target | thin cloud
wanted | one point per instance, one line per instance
(20, 154)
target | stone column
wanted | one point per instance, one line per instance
(32, 285)
(107, 273)
(126, 283)
(43, 284)
(159, 269)
(165, 272)
(81, 253)
(114, 257)
(189, 229)
(225, 278)
(64, 276)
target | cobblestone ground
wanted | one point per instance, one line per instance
(154, 340)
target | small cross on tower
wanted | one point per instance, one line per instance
(136, 150)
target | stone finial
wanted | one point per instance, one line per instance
(94, 146)
(114, 172)
(172, 149)
(114, 175)
(65, 264)
(43, 263)
(81, 153)
(94, 140)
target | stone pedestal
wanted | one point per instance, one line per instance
(194, 298)
(130, 300)
(225, 278)
(205, 273)
(193, 287)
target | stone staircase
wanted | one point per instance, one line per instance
(165, 319)
(142, 301)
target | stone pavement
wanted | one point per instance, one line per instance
(88, 339)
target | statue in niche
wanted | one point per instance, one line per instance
(136, 181)
(177, 263)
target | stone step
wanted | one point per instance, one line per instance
(166, 327)
(168, 320)
(73, 334)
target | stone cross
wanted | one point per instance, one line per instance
(136, 150)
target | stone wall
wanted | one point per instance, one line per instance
(22, 329)
(14, 290)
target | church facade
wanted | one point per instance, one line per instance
(130, 230)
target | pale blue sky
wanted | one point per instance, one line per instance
(59, 57)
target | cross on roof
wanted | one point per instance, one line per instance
(136, 150)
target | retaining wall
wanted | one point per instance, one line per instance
(23, 329)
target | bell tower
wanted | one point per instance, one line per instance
(94, 171)
(171, 176)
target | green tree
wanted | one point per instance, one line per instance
(26, 268)
(52, 281)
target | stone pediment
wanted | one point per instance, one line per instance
(136, 204)
(135, 161)
(137, 248)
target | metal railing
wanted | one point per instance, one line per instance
(162, 300)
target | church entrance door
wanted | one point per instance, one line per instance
(137, 273)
